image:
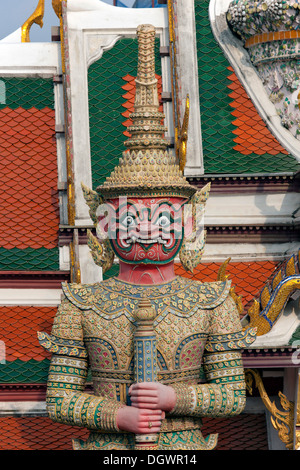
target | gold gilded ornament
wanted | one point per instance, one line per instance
(36, 17)
(183, 136)
(273, 298)
(193, 246)
(93, 200)
(56, 5)
(282, 421)
(101, 251)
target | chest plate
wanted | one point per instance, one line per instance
(182, 320)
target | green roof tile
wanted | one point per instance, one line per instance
(216, 117)
(26, 93)
(24, 372)
(29, 259)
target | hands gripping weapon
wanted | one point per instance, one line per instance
(145, 361)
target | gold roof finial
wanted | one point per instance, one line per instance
(147, 128)
(36, 17)
(57, 7)
(146, 168)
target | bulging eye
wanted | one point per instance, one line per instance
(164, 221)
(128, 221)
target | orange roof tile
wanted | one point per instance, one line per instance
(28, 169)
(18, 330)
(38, 433)
(19, 325)
(253, 136)
(248, 278)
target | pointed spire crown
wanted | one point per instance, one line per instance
(146, 168)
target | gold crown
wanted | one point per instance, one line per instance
(146, 168)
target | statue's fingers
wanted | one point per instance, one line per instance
(144, 386)
(144, 393)
(150, 414)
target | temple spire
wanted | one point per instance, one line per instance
(147, 130)
(147, 167)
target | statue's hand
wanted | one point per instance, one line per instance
(139, 421)
(153, 396)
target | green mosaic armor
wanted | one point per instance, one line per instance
(198, 331)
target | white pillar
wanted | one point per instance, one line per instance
(187, 62)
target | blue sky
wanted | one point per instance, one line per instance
(15, 12)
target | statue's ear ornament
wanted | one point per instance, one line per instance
(192, 247)
(148, 168)
(101, 250)
(93, 200)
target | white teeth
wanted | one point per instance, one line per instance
(168, 244)
(146, 241)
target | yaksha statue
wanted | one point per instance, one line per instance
(163, 351)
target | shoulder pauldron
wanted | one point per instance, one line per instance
(112, 297)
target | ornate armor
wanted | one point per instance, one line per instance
(198, 335)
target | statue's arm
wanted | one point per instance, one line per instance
(67, 402)
(224, 392)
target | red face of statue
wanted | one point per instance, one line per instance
(145, 230)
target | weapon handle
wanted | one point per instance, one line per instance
(145, 361)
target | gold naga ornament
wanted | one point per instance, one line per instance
(147, 168)
(37, 17)
(264, 312)
(262, 315)
(282, 421)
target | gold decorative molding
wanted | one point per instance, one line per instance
(174, 75)
(56, 5)
(183, 136)
(74, 259)
(297, 441)
(282, 421)
(36, 17)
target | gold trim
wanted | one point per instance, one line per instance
(56, 5)
(36, 17)
(74, 259)
(282, 421)
(174, 76)
(277, 304)
(297, 440)
(183, 136)
(180, 129)
(74, 255)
